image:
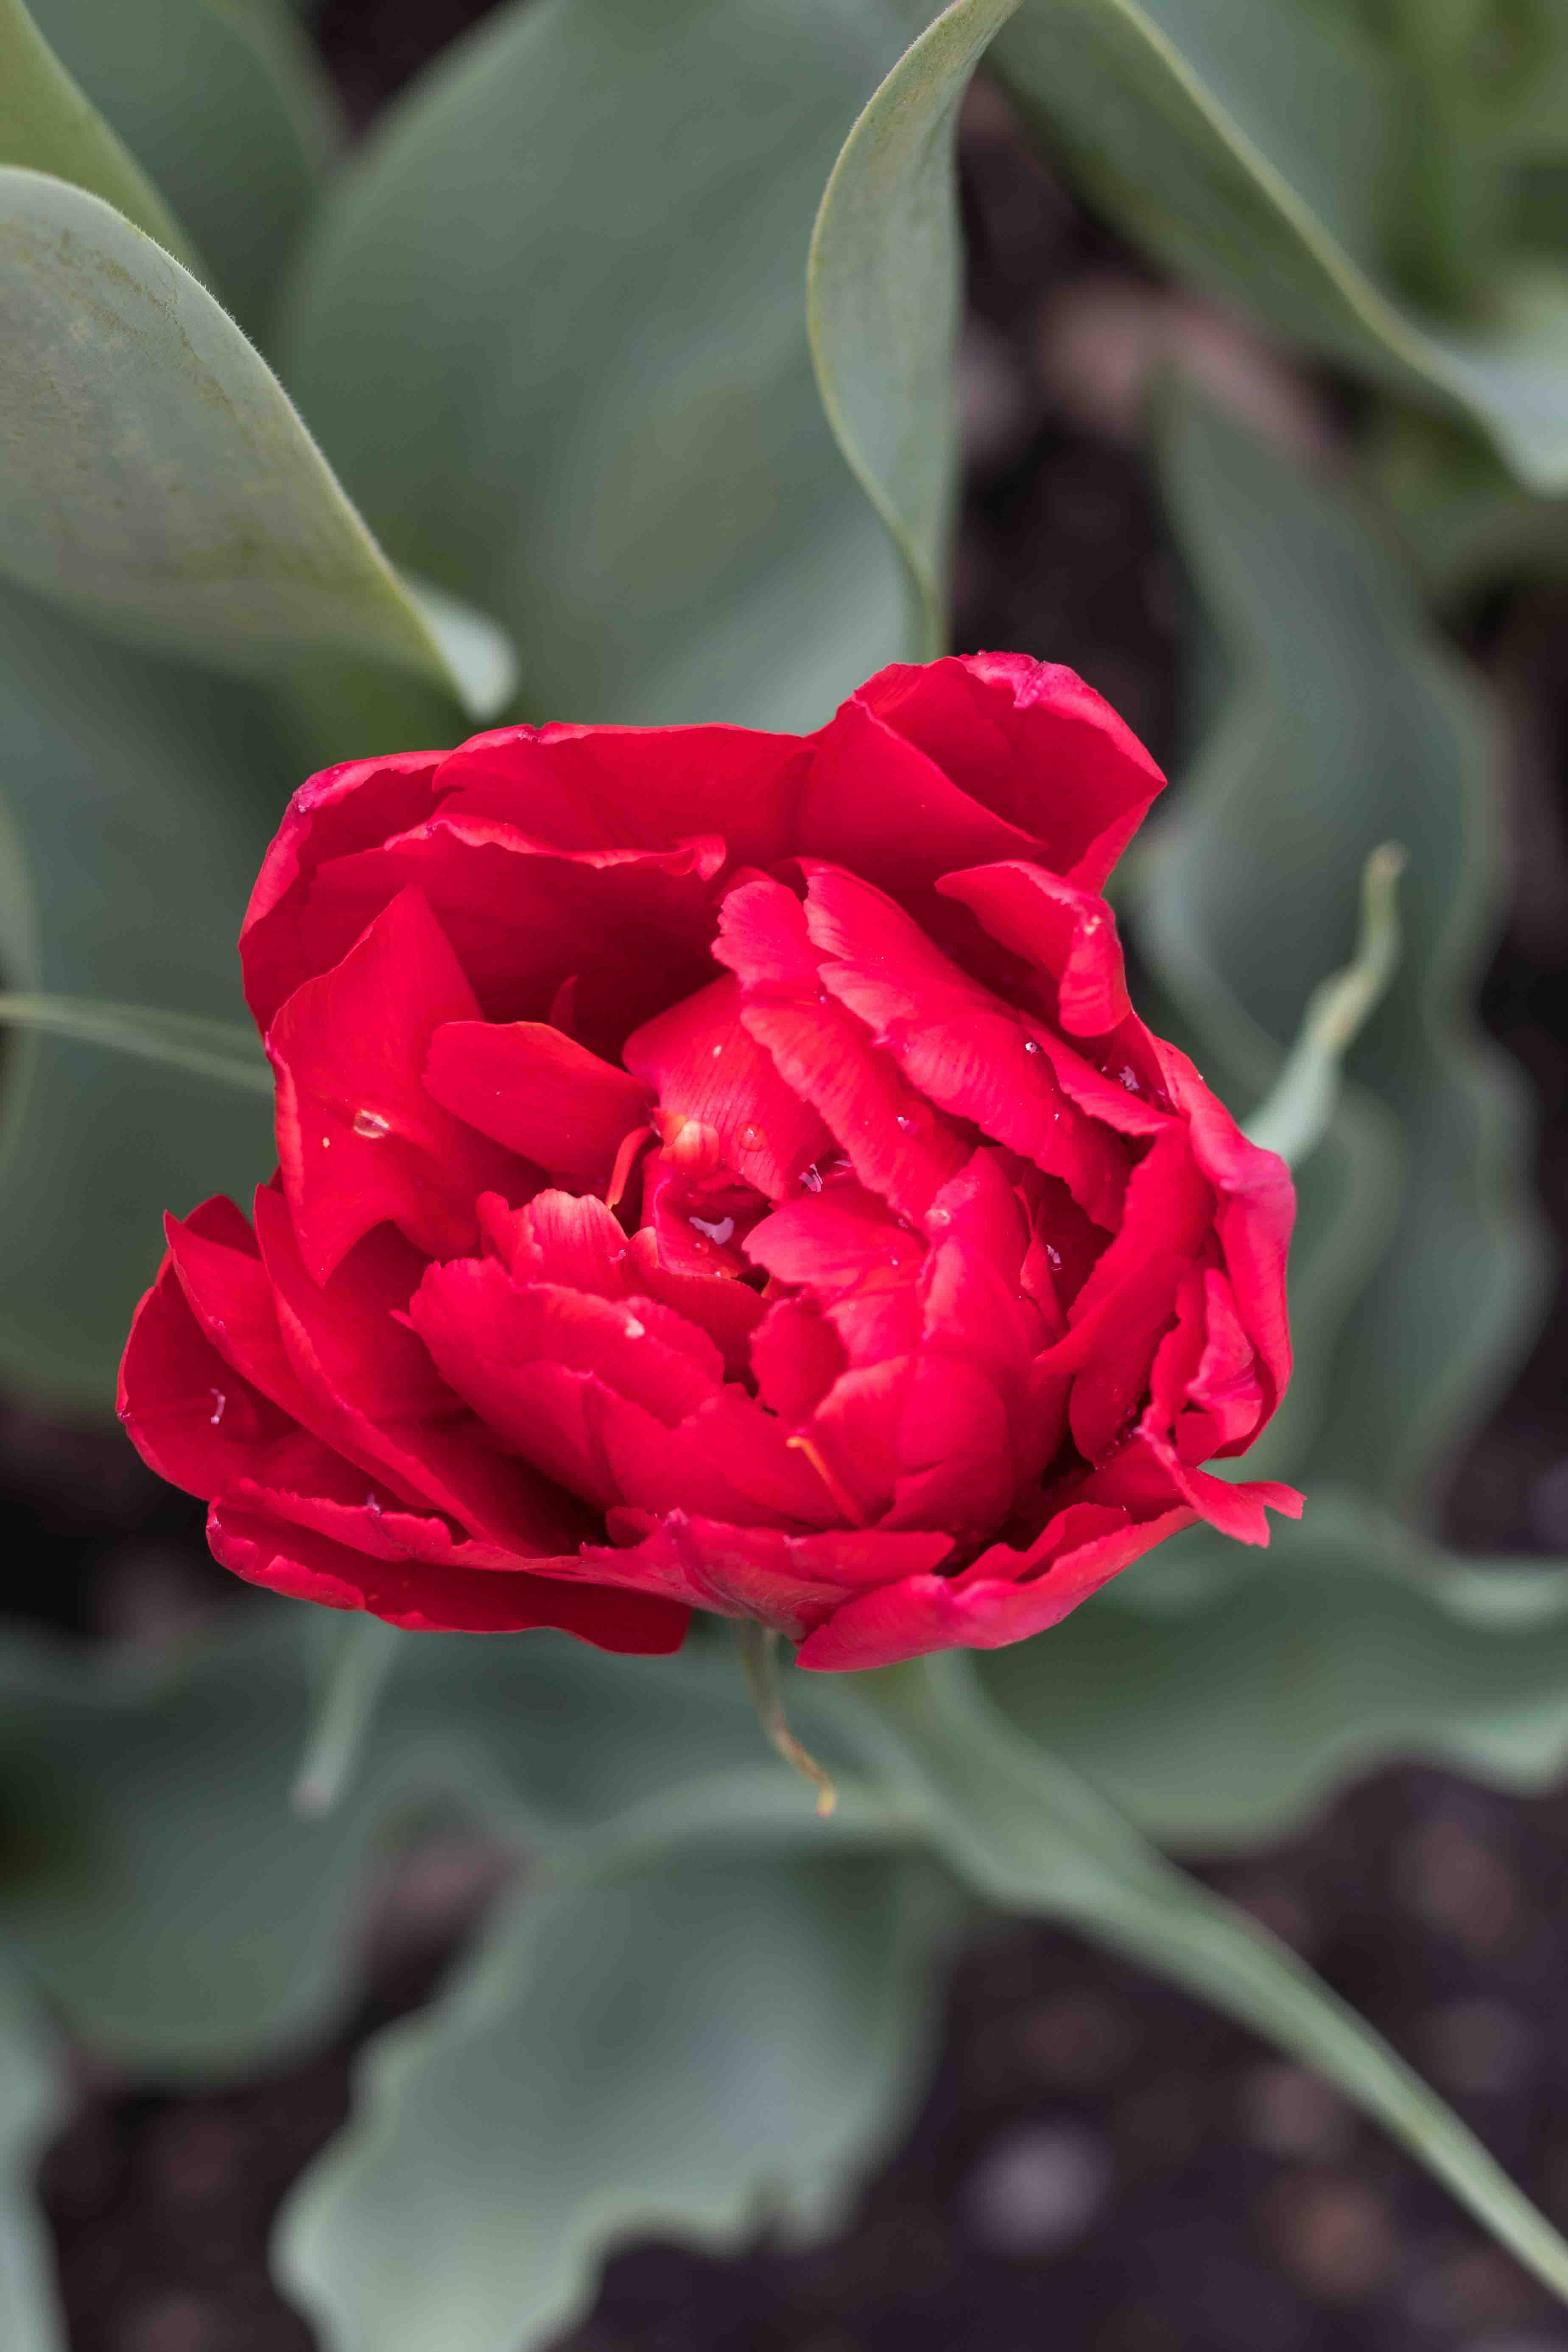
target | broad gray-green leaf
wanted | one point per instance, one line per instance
(154, 475)
(1251, 148)
(32, 2102)
(1349, 725)
(48, 124)
(220, 1050)
(224, 104)
(1021, 1829)
(140, 795)
(882, 296)
(606, 429)
(1216, 1696)
(1465, 524)
(678, 2056)
(173, 1905)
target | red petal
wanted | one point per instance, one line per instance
(634, 926)
(375, 1396)
(702, 1066)
(964, 1050)
(1068, 935)
(527, 1086)
(359, 1139)
(896, 1143)
(788, 1581)
(583, 788)
(190, 1415)
(333, 814)
(796, 1356)
(312, 1566)
(981, 1610)
(1030, 740)
(1256, 1210)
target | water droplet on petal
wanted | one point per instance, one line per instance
(326, 1142)
(910, 1122)
(373, 1503)
(1031, 1046)
(938, 1217)
(717, 1051)
(749, 1136)
(810, 1179)
(1127, 1076)
(371, 1125)
(1054, 1257)
(219, 1401)
(618, 1256)
(635, 1330)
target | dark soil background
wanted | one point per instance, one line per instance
(1100, 2163)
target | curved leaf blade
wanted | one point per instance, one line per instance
(606, 430)
(48, 124)
(154, 475)
(882, 298)
(1017, 1825)
(239, 136)
(94, 1146)
(1348, 725)
(32, 2102)
(1248, 147)
(671, 2055)
(1293, 1119)
(1216, 1698)
(178, 1041)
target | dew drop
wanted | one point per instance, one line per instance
(1127, 1076)
(749, 1136)
(810, 1179)
(617, 1258)
(326, 1142)
(938, 1217)
(717, 1051)
(371, 1125)
(635, 1330)
(910, 1122)
(1031, 1046)
(372, 1502)
(720, 1229)
(1054, 1257)
(219, 1401)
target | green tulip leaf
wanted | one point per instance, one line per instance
(179, 1912)
(679, 2056)
(32, 2104)
(220, 1050)
(224, 104)
(1019, 1827)
(1217, 1695)
(1251, 148)
(139, 796)
(882, 298)
(605, 429)
(46, 124)
(1294, 1119)
(152, 472)
(1348, 725)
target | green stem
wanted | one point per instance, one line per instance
(759, 1662)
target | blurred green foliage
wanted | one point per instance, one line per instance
(552, 326)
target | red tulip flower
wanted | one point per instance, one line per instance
(723, 1170)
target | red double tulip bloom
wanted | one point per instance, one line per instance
(723, 1169)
